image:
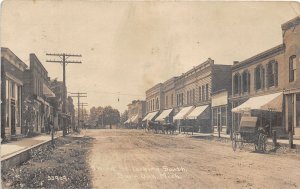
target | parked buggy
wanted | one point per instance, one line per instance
(249, 132)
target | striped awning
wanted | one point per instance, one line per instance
(183, 113)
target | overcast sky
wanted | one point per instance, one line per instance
(127, 47)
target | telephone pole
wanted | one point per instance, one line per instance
(63, 60)
(78, 95)
(82, 112)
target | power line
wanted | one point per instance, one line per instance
(78, 95)
(63, 61)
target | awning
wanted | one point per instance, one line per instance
(163, 115)
(272, 102)
(47, 92)
(150, 116)
(183, 113)
(134, 119)
(127, 121)
(219, 99)
(196, 112)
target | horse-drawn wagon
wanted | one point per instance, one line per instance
(249, 132)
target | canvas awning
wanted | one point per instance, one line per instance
(219, 99)
(134, 119)
(183, 112)
(150, 116)
(196, 112)
(127, 121)
(163, 115)
(272, 102)
(47, 91)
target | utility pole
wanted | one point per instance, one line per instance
(82, 113)
(63, 60)
(78, 95)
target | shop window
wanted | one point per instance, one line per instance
(215, 116)
(223, 116)
(246, 81)
(292, 68)
(297, 110)
(237, 83)
(259, 77)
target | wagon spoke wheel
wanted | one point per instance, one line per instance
(262, 142)
(240, 142)
(233, 142)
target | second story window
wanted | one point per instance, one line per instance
(157, 104)
(272, 74)
(172, 100)
(207, 93)
(200, 94)
(259, 77)
(237, 84)
(188, 97)
(167, 101)
(292, 68)
(246, 81)
(203, 92)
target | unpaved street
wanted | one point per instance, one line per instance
(135, 159)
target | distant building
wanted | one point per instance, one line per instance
(267, 85)
(12, 85)
(136, 112)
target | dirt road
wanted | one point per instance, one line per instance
(135, 159)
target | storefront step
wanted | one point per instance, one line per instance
(16, 137)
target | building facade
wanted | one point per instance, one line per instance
(155, 98)
(37, 92)
(271, 72)
(12, 85)
(191, 90)
(136, 112)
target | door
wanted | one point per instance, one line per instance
(13, 117)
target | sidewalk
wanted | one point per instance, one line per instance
(280, 141)
(14, 147)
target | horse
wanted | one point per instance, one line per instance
(169, 127)
(152, 125)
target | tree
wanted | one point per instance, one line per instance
(124, 116)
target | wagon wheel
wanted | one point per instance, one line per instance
(240, 142)
(233, 141)
(262, 142)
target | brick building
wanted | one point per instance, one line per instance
(12, 85)
(267, 85)
(37, 92)
(188, 96)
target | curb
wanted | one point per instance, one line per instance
(21, 156)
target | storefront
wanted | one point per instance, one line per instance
(268, 110)
(220, 113)
(199, 119)
(292, 112)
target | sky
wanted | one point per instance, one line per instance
(127, 47)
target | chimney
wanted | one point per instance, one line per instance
(235, 62)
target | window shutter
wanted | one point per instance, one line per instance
(255, 78)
